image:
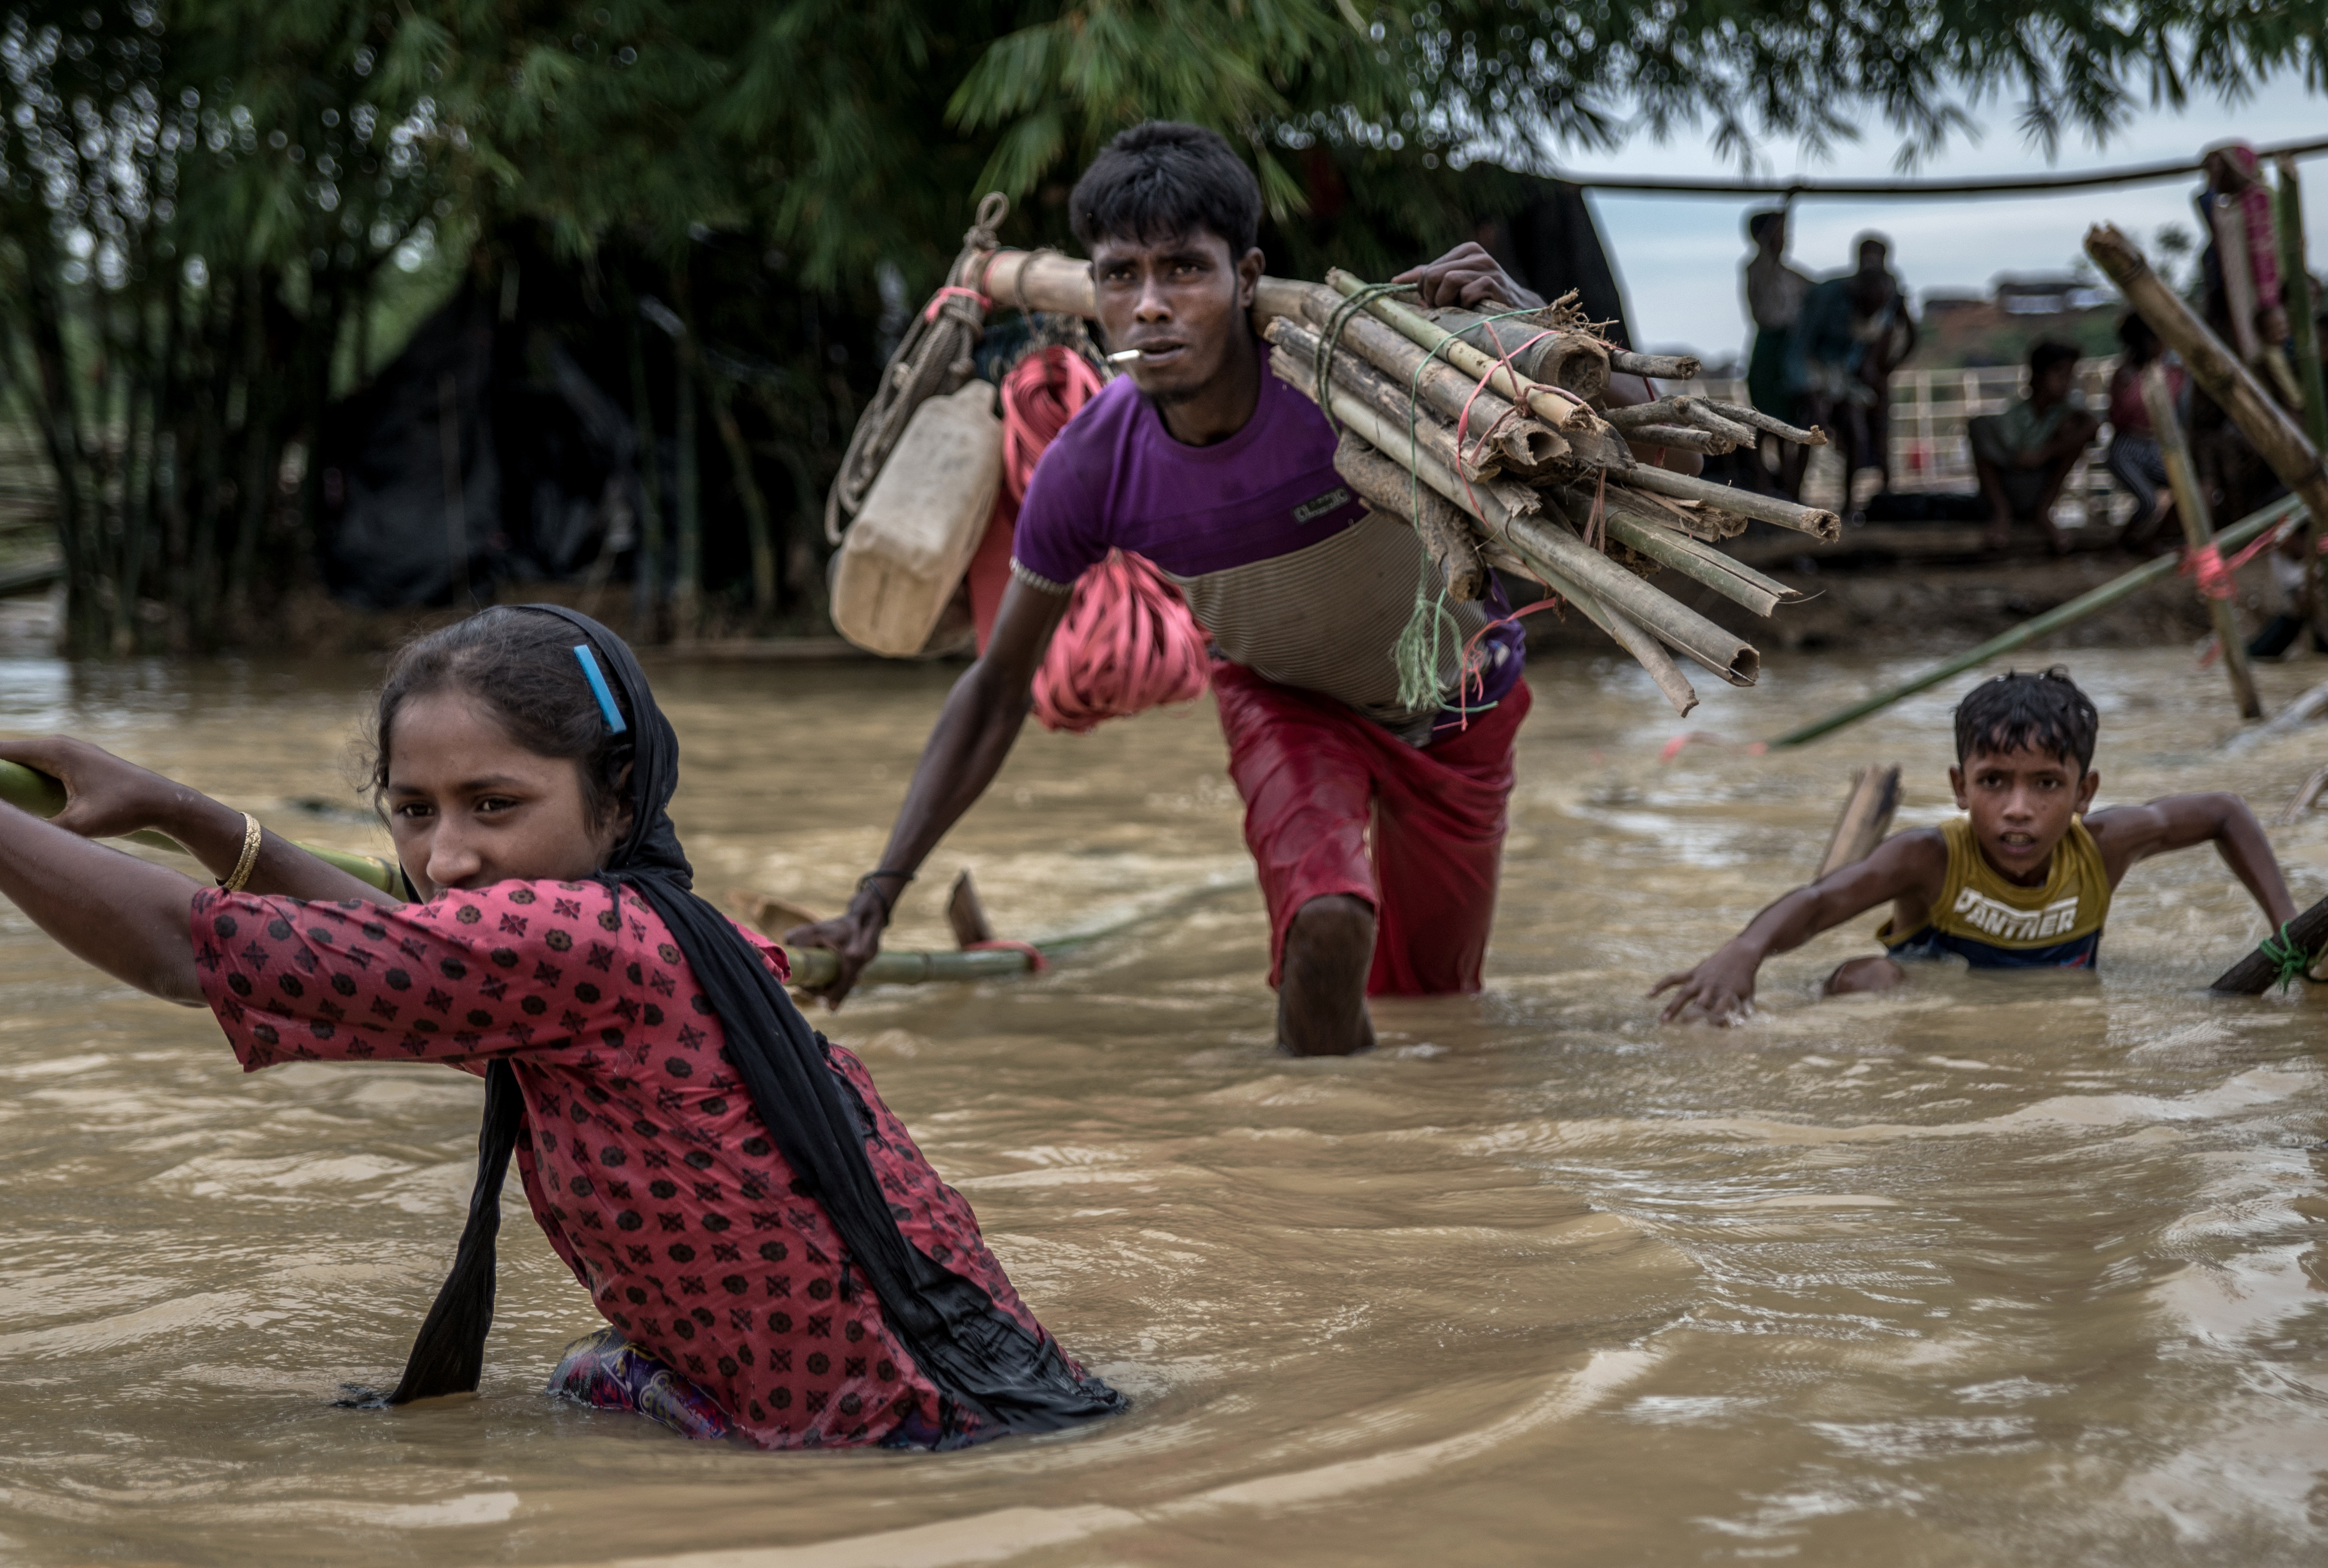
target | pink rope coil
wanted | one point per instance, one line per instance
(1127, 643)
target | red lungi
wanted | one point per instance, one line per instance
(1318, 779)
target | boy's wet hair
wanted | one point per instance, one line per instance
(2044, 712)
(1162, 180)
(520, 664)
(2048, 354)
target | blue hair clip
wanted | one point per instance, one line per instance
(598, 679)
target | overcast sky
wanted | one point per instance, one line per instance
(1679, 256)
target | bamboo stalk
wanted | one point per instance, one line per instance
(1710, 524)
(1359, 377)
(1867, 812)
(1529, 443)
(2286, 721)
(2296, 278)
(2303, 307)
(1496, 507)
(1388, 488)
(2191, 506)
(2218, 372)
(2251, 975)
(1300, 371)
(2029, 631)
(1687, 632)
(1622, 629)
(1657, 367)
(1559, 409)
(1705, 418)
(1660, 527)
(1679, 551)
(1576, 363)
(1645, 648)
(2301, 801)
(1759, 420)
(1657, 411)
(1822, 525)
(814, 968)
(1043, 281)
(1681, 439)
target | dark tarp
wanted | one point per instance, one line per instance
(483, 454)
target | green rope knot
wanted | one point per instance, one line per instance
(1330, 342)
(2290, 961)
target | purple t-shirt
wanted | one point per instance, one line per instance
(1285, 569)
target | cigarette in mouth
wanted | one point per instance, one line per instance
(1123, 356)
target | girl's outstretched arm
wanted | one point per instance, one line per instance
(128, 918)
(107, 797)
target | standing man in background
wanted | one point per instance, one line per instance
(1853, 332)
(1774, 301)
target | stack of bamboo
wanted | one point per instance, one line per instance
(1493, 435)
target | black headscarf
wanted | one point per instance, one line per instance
(992, 1369)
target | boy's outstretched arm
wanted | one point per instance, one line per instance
(1909, 864)
(2126, 834)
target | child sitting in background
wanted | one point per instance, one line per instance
(2022, 880)
(2024, 455)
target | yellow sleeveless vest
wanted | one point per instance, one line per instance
(1995, 924)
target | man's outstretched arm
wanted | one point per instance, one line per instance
(973, 734)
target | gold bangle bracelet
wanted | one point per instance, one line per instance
(250, 861)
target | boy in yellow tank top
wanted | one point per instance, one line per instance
(2022, 880)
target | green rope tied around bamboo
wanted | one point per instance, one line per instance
(2290, 961)
(1415, 652)
(1330, 340)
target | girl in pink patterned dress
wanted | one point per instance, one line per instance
(776, 1258)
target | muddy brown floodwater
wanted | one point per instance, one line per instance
(1987, 1271)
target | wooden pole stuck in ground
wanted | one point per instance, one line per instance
(2198, 534)
(1867, 813)
(2302, 310)
(2253, 974)
(2302, 800)
(2218, 372)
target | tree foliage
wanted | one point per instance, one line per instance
(200, 200)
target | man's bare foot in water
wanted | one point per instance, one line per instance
(1875, 973)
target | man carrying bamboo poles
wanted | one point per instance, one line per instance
(1377, 828)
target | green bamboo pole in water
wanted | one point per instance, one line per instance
(2247, 528)
(813, 967)
(43, 796)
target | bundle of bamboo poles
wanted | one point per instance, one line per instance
(1493, 435)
